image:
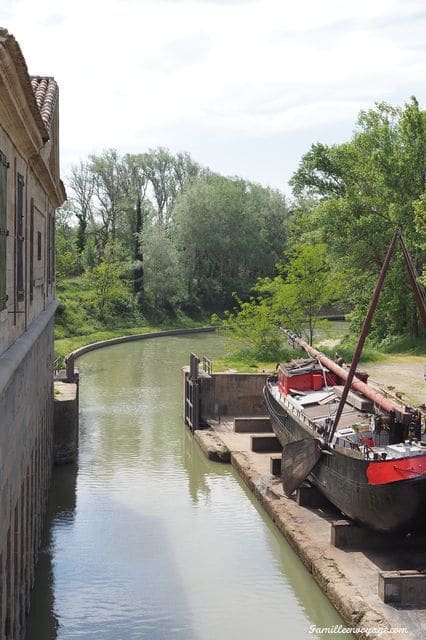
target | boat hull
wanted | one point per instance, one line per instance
(345, 480)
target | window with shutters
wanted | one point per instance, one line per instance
(20, 239)
(3, 229)
(32, 250)
(50, 248)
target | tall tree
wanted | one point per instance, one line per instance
(82, 186)
(167, 175)
(158, 169)
(293, 298)
(223, 228)
(164, 284)
(135, 185)
(107, 175)
(361, 191)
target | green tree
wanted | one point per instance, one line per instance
(135, 186)
(82, 186)
(109, 287)
(111, 203)
(359, 192)
(304, 285)
(292, 299)
(252, 329)
(228, 232)
(163, 280)
(167, 176)
(65, 242)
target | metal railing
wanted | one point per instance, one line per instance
(207, 365)
(58, 365)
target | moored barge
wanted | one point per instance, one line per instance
(361, 448)
(373, 468)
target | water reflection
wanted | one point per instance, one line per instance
(60, 515)
(153, 540)
(199, 475)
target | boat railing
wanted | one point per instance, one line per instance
(300, 414)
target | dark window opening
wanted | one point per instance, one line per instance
(20, 239)
(38, 245)
(3, 229)
(32, 250)
(50, 249)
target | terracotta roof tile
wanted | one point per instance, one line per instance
(10, 45)
(46, 93)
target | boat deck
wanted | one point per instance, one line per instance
(317, 406)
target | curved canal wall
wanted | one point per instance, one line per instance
(66, 391)
(77, 353)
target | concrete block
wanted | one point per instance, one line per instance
(253, 424)
(347, 535)
(212, 446)
(309, 496)
(265, 444)
(275, 465)
(402, 587)
(65, 435)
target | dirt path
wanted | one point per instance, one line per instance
(403, 374)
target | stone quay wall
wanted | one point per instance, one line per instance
(232, 394)
(26, 449)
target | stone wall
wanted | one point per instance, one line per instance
(31, 191)
(234, 394)
(26, 437)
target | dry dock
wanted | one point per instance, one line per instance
(348, 575)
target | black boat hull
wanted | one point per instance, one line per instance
(387, 507)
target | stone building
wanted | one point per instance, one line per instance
(30, 191)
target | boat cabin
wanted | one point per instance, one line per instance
(308, 375)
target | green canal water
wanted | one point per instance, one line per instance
(145, 538)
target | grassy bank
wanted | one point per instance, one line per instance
(78, 322)
(334, 337)
(70, 343)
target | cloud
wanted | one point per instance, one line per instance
(132, 72)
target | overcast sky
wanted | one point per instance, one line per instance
(245, 86)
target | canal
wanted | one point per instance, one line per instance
(145, 538)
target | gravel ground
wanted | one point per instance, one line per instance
(402, 374)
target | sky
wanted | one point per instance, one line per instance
(245, 86)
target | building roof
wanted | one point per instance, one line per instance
(46, 94)
(41, 93)
(34, 98)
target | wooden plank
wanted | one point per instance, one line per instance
(355, 399)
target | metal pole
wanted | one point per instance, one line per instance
(418, 293)
(364, 331)
(69, 364)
